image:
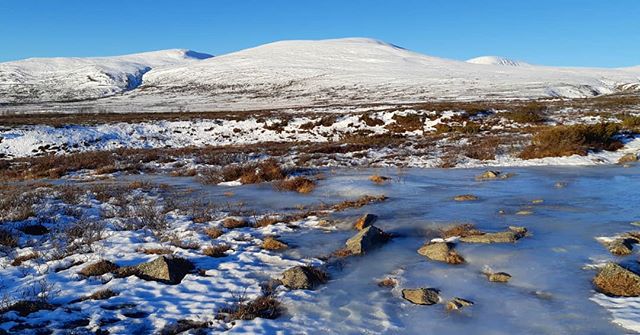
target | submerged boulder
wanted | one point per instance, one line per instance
(621, 246)
(164, 269)
(441, 251)
(303, 278)
(614, 280)
(509, 236)
(421, 296)
(365, 221)
(366, 240)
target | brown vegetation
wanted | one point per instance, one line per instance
(572, 140)
(266, 307)
(213, 232)
(360, 202)
(296, 184)
(233, 223)
(216, 251)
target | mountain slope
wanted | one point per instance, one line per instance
(67, 79)
(496, 60)
(305, 73)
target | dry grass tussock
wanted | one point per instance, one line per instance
(360, 202)
(266, 307)
(572, 140)
(216, 250)
(296, 184)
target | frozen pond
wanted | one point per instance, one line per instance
(550, 292)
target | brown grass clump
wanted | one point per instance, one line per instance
(20, 259)
(7, 239)
(271, 243)
(631, 123)
(266, 307)
(155, 251)
(268, 170)
(101, 294)
(98, 269)
(297, 184)
(268, 220)
(370, 121)
(360, 202)
(483, 148)
(407, 123)
(461, 230)
(216, 251)
(572, 140)
(379, 179)
(26, 307)
(213, 232)
(233, 223)
(532, 112)
(465, 197)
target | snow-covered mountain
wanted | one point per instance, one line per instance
(294, 73)
(496, 60)
(65, 79)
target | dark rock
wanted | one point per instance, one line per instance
(442, 252)
(165, 269)
(303, 277)
(421, 296)
(365, 221)
(366, 240)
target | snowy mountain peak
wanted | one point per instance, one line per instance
(496, 60)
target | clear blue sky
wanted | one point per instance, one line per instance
(558, 32)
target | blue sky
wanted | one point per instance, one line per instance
(560, 32)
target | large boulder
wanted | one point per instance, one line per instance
(509, 236)
(441, 251)
(615, 280)
(421, 296)
(366, 240)
(365, 221)
(164, 269)
(303, 278)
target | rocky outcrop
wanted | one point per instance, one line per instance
(366, 240)
(441, 252)
(614, 280)
(98, 268)
(421, 296)
(303, 278)
(365, 221)
(509, 236)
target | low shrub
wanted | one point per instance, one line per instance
(296, 184)
(266, 307)
(216, 251)
(572, 140)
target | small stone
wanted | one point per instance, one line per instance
(492, 175)
(628, 158)
(365, 221)
(458, 303)
(560, 184)
(621, 246)
(366, 240)
(442, 252)
(510, 236)
(537, 201)
(524, 212)
(164, 269)
(303, 278)
(614, 280)
(499, 277)
(465, 197)
(421, 296)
